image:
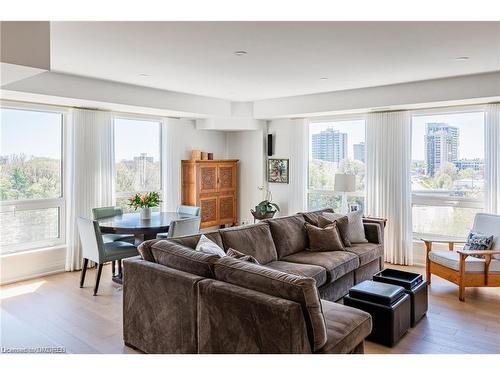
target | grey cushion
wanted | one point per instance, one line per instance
(289, 234)
(308, 270)
(238, 255)
(366, 252)
(254, 240)
(346, 327)
(295, 288)
(342, 225)
(192, 240)
(336, 263)
(312, 216)
(183, 258)
(324, 239)
(356, 231)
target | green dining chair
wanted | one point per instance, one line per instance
(98, 251)
(104, 212)
(188, 210)
(182, 227)
(182, 210)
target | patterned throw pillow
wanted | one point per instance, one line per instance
(478, 241)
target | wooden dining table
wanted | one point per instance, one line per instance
(143, 230)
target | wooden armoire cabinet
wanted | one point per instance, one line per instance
(211, 185)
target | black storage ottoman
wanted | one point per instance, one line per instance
(389, 307)
(414, 286)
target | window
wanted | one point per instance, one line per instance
(31, 188)
(447, 172)
(137, 158)
(336, 147)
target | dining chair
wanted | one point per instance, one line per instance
(182, 227)
(98, 251)
(188, 210)
(104, 212)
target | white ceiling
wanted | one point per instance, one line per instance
(284, 58)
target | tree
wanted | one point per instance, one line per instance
(19, 182)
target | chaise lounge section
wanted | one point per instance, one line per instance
(177, 300)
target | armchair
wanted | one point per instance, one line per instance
(462, 267)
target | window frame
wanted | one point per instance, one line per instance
(338, 118)
(33, 204)
(160, 122)
(427, 200)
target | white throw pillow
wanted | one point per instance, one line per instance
(356, 229)
(207, 246)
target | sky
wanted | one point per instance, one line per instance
(355, 130)
(133, 137)
(471, 133)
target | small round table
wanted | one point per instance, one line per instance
(132, 223)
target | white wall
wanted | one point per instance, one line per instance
(249, 148)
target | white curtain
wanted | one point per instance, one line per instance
(388, 186)
(90, 183)
(299, 159)
(173, 153)
(492, 156)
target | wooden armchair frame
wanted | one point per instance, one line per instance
(461, 278)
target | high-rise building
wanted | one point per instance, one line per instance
(359, 151)
(329, 145)
(441, 146)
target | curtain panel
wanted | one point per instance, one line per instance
(90, 183)
(492, 158)
(388, 186)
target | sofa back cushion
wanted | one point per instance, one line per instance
(192, 240)
(291, 287)
(312, 216)
(254, 240)
(289, 234)
(183, 258)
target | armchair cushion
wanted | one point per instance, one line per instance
(451, 259)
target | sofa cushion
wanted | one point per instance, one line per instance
(279, 284)
(324, 239)
(312, 216)
(308, 270)
(192, 240)
(207, 246)
(289, 234)
(254, 240)
(336, 263)
(145, 250)
(183, 258)
(346, 327)
(342, 225)
(355, 228)
(238, 255)
(366, 252)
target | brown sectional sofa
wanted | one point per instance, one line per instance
(180, 301)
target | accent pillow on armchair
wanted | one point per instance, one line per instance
(478, 241)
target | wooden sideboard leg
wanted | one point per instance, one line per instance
(428, 248)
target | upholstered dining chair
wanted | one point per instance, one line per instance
(188, 210)
(104, 212)
(98, 251)
(469, 268)
(182, 227)
(182, 210)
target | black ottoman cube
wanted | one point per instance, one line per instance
(414, 286)
(389, 307)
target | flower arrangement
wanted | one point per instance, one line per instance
(267, 208)
(146, 200)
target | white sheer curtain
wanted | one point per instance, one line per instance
(492, 156)
(388, 187)
(90, 183)
(299, 159)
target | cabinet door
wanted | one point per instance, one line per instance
(227, 209)
(208, 210)
(226, 177)
(207, 178)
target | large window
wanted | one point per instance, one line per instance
(31, 188)
(447, 172)
(137, 158)
(336, 147)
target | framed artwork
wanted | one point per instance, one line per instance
(277, 171)
(353, 207)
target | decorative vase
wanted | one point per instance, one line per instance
(146, 213)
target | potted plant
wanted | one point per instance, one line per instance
(145, 202)
(265, 209)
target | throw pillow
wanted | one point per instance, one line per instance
(478, 241)
(238, 255)
(208, 246)
(324, 239)
(355, 228)
(342, 226)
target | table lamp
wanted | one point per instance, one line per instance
(344, 183)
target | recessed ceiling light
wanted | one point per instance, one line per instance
(462, 58)
(144, 75)
(323, 78)
(240, 53)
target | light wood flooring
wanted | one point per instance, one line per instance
(53, 312)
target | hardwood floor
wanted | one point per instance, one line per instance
(53, 312)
